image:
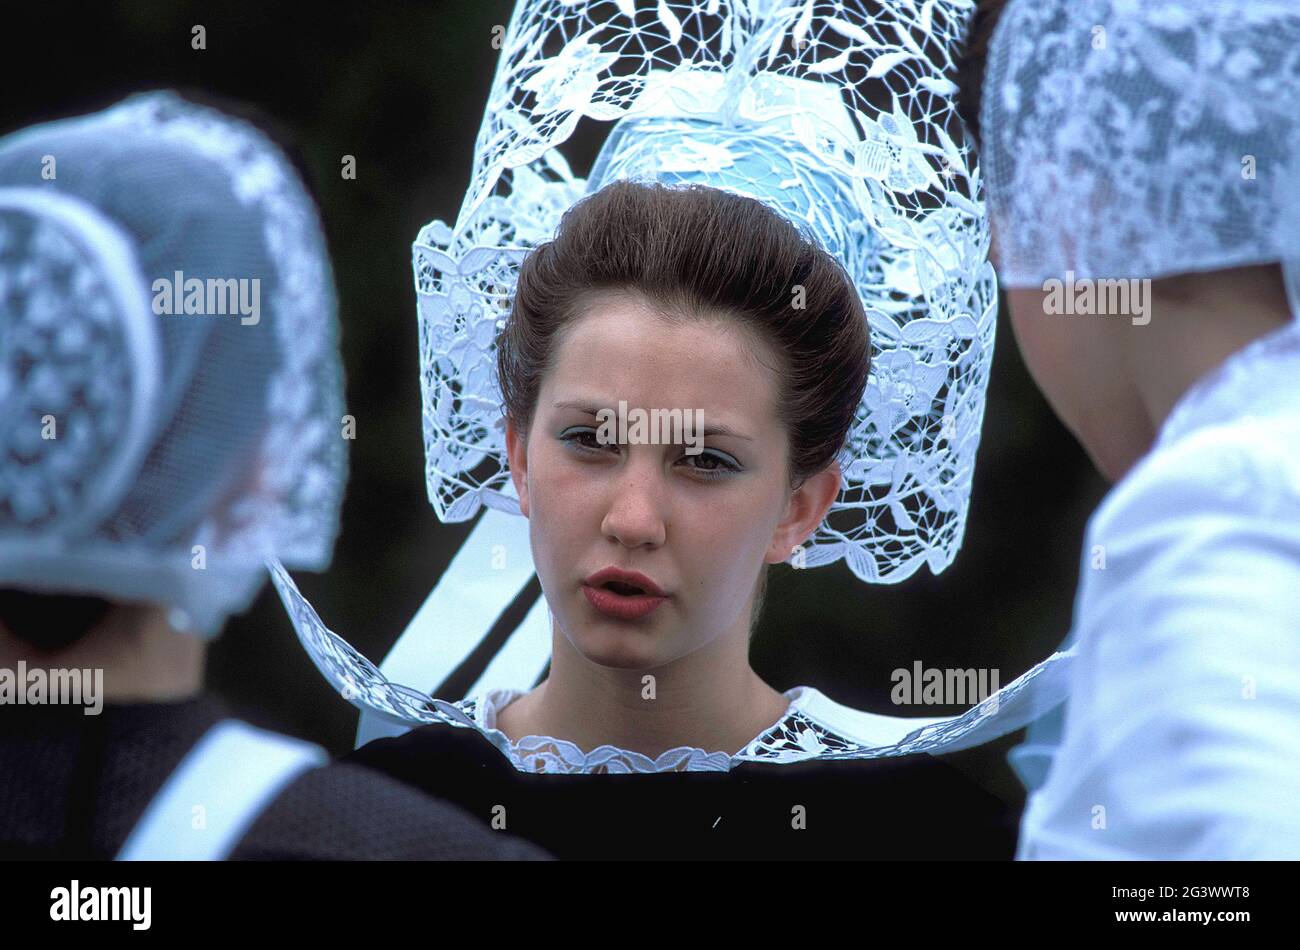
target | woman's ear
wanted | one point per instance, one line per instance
(517, 459)
(808, 506)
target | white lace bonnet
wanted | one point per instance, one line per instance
(1143, 138)
(840, 115)
(147, 455)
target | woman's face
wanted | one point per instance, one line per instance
(699, 526)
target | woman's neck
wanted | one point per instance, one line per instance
(1201, 320)
(711, 699)
(143, 658)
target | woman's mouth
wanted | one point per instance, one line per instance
(621, 601)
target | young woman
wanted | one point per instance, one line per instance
(652, 554)
(782, 234)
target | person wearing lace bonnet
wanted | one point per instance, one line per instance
(1142, 162)
(783, 230)
(172, 392)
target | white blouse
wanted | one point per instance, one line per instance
(1181, 736)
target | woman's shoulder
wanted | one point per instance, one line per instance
(437, 747)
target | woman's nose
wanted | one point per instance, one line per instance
(635, 515)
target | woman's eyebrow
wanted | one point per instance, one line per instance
(580, 406)
(716, 428)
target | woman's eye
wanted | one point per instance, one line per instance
(585, 440)
(709, 465)
(718, 466)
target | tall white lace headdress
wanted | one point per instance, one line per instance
(839, 115)
(1126, 139)
(148, 453)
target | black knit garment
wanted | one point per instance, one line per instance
(73, 786)
(901, 808)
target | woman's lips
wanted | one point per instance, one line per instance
(621, 606)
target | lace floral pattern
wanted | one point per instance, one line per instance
(794, 737)
(857, 93)
(70, 378)
(1141, 139)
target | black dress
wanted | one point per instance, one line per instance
(906, 807)
(74, 786)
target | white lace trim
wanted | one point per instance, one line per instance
(793, 736)
(293, 510)
(814, 726)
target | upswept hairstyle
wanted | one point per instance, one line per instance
(693, 253)
(972, 62)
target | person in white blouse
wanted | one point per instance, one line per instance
(1143, 175)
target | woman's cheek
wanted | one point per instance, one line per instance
(559, 485)
(725, 542)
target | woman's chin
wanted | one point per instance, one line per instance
(620, 649)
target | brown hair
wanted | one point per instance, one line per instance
(696, 252)
(973, 61)
(50, 622)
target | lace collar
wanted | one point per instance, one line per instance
(794, 737)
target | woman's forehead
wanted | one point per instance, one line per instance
(621, 352)
(628, 321)
(710, 423)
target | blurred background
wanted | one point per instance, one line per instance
(402, 86)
